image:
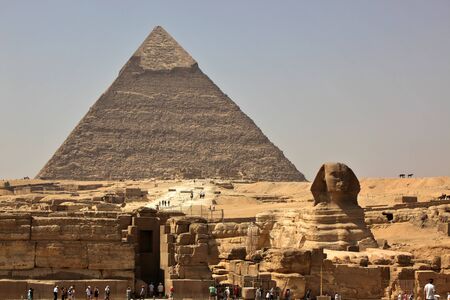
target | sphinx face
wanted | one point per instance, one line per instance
(337, 177)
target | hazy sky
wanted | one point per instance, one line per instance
(362, 82)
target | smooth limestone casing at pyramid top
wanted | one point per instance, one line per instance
(164, 118)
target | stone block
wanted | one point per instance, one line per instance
(190, 288)
(146, 223)
(287, 261)
(118, 274)
(185, 249)
(124, 221)
(201, 238)
(59, 274)
(111, 256)
(350, 279)
(69, 229)
(17, 255)
(194, 272)
(15, 227)
(403, 259)
(445, 261)
(293, 281)
(444, 228)
(198, 228)
(185, 239)
(12, 289)
(61, 255)
(248, 293)
(200, 254)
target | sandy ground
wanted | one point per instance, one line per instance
(422, 242)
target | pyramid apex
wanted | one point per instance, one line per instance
(160, 51)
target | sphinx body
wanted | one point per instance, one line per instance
(336, 221)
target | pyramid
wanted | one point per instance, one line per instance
(164, 118)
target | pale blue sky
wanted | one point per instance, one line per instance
(362, 82)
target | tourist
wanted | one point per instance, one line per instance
(96, 293)
(429, 290)
(107, 292)
(160, 289)
(308, 295)
(227, 293)
(171, 291)
(448, 295)
(69, 293)
(88, 293)
(30, 294)
(151, 289)
(258, 294)
(268, 295)
(212, 292)
(337, 296)
(272, 293)
(287, 294)
(236, 291)
(142, 293)
(128, 293)
(192, 195)
(55, 292)
(168, 202)
(63, 293)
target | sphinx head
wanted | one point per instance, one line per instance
(335, 183)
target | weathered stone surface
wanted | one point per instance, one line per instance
(164, 118)
(296, 283)
(110, 256)
(17, 255)
(61, 255)
(349, 280)
(69, 229)
(287, 261)
(60, 274)
(15, 227)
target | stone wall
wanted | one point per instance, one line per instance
(64, 247)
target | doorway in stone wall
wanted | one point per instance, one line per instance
(148, 256)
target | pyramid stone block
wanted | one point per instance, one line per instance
(164, 118)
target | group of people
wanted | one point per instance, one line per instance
(164, 203)
(150, 291)
(65, 293)
(69, 293)
(225, 293)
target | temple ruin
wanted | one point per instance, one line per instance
(165, 180)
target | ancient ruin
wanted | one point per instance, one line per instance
(164, 118)
(186, 193)
(133, 233)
